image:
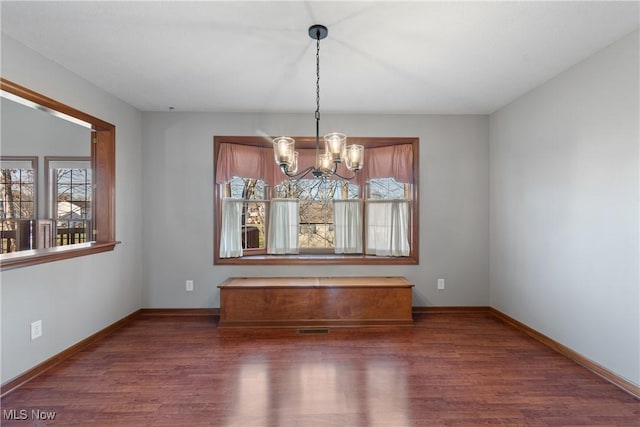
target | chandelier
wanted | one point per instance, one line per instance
(336, 149)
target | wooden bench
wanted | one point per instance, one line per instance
(315, 301)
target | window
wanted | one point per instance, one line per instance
(70, 193)
(388, 188)
(18, 198)
(316, 209)
(245, 211)
(387, 213)
(263, 217)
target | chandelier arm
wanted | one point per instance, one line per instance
(334, 171)
(344, 177)
(298, 175)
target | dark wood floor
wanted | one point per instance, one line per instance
(449, 370)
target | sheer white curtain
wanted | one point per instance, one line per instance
(284, 227)
(231, 230)
(388, 227)
(347, 224)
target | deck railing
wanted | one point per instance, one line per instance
(25, 234)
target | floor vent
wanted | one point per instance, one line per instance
(310, 331)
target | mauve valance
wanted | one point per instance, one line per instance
(395, 161)
(249, 161)
(246, 161)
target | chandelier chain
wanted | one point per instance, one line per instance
(318, 77)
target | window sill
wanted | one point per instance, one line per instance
(41, 256)
(324, 259)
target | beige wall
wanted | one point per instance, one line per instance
(178, 203)
(76, 297)
(564, 209)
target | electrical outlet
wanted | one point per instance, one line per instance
(36, 329)
(440, 284)
(189, 285)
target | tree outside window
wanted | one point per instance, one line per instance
(70, 198)
(18, 182)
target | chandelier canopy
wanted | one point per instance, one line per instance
(336, 150)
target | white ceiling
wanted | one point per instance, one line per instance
(379, 57)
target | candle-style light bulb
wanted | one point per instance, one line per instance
(334, 144)
(354, 157)
(283, 149)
